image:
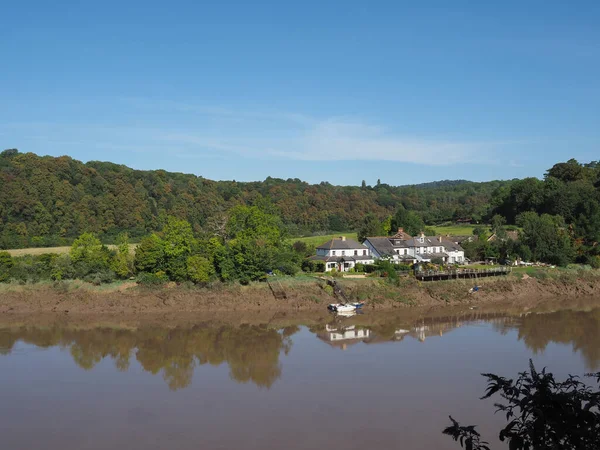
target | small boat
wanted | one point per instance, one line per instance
(340, 307)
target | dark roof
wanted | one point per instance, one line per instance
(382, 245)
(339, 258)
(434, 241)
(433, 255)
(341, 244)
(428, 241)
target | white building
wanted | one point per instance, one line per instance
(401, 248)
(342, 254)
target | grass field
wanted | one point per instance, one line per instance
(454, 230)
(318, 240)
(57, 250)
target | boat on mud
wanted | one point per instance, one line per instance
(344, 307)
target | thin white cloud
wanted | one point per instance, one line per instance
(263, 135)
(341, 140)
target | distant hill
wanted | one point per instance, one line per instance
(46, 201)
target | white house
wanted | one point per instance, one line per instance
(401, 248)
(342, 254)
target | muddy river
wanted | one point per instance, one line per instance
(334, 382)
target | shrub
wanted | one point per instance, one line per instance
(336, 273)
(6, 264)
(543, 413)
(319, 266)
(29, 268)
(62, 268)
(369, 268)
(152, 279)
(200, 269)
(287, 268)
(308, 266)
(101, 277)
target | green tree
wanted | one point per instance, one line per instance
(371, 226)
(199, 269)
(179, 242)
(6, 264)
(150, 254)
(569, 171)
(256, 245)
(85, 248)
(408, 220)
(547, 237)
(89, 256)
(123, 262)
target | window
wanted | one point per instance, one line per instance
(355, 252)
(364, 253)
(343, 253)
(332, 252)
(406, 251)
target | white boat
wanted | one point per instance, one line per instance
(348, 307)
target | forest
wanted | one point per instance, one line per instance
(196, 230)
(49, 201)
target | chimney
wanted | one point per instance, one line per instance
(400, 230)
(422, 234)
(440, 238)
(343, 238)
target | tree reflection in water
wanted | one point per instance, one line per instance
(252, 352)
(581, 329)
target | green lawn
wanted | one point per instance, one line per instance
(454, 230)
(318, 240)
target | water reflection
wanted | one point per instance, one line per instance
(577, 328)
(253, 352)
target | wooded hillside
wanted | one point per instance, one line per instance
(47, 201)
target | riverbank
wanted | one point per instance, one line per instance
(302, 294)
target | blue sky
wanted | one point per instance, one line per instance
(339, 91)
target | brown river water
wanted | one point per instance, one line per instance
(344, 383)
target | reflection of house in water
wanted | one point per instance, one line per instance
(342, 336)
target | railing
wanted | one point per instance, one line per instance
(463, 273)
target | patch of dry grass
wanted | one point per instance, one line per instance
(57, 250)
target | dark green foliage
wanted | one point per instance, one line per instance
(547, 237)
(387, 269)
(313, 266)
(152, 279)
(47, 201)
(542, 413)
(371, 226)
(30, 269)
(411, 222)
(570, 195)
(6, 264)
(150, 254)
